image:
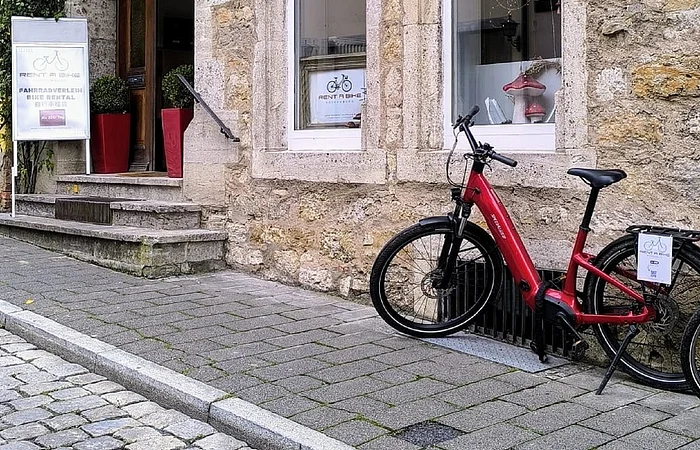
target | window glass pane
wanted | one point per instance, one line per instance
(506, 59)
(331, 60)
(138, 33)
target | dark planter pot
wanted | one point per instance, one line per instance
(175, 121)
(109, 142)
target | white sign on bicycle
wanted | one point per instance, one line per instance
(654, 258)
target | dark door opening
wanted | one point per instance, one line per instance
(174, 47)
(155, 36)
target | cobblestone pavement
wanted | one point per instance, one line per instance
(47, 402)
(333, 366)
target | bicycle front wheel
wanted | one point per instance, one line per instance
(404, 283)
(653, 356)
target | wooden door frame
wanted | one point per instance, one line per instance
(123, 48)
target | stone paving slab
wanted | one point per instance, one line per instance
(333, 366)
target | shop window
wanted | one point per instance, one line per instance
(506, 58)
(329, 63)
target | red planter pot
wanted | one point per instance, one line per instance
(175, 121)
(109, 142)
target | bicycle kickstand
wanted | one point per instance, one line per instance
(623, 346)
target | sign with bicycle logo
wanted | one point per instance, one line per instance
(50, 81)
(654, 258)
(336, 95)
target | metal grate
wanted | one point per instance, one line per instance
(86, 209)
(510, 320)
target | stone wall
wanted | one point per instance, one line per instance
(319, 218)
(644, 111)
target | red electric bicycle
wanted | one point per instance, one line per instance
(435, 277)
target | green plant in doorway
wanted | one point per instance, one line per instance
(35, 156)
(109, 95)
(175, 93)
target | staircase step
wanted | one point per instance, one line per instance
(121, 186)
(153, 214)
(39, 205)
(140, 251)
(156, 215)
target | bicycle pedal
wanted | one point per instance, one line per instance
(578, 349)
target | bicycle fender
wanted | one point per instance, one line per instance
(437, 220)
(449, 221)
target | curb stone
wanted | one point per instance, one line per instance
(242, 420)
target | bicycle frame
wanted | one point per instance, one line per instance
(479, 192)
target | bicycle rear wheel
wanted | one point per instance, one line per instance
(405, 275)
(653, 357)
(690, 352)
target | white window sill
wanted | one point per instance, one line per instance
(325, 140)
(538, 137)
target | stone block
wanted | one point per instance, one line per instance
(219, 441)
(106, 427)
(150, 188)
(36, 205)
(205, 251)
(165, 386)
(659, 80)
(263, 429)
(61, 438)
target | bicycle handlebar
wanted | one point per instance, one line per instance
(463, 123)
(504, 159)
(468, 118)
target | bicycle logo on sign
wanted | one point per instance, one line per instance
(655, 245)
(42, 63)
(345, 84)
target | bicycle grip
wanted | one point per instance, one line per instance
(504, 159)
(473, 112)
(468, 118)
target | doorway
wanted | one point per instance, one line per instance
(155, 36)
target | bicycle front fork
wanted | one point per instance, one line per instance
(453, 242)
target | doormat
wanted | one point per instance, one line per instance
(499, 352)
(143, 174)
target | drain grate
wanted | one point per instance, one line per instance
(425, 434)
(86, 209)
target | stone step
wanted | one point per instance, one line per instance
(139, 251)
(121, 186)
(153, 214)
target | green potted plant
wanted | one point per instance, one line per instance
(176, 116)
(110, 125)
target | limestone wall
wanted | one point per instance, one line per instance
(628, 99)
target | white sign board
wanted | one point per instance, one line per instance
(654, 258)
(50, 80)
(336, 95)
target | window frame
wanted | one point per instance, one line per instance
(530, 138)
(328, 139)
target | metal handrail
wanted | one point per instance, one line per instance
(198, 98)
